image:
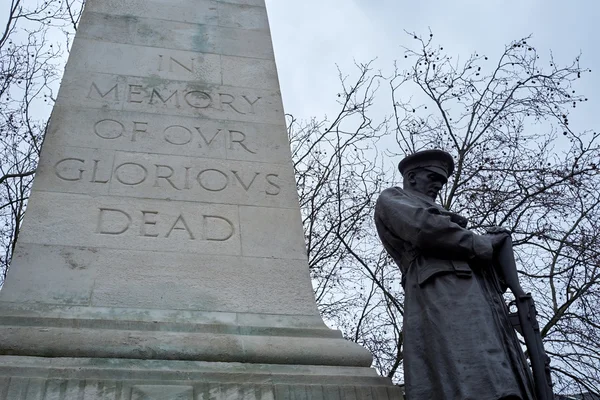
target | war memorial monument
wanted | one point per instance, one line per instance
(162, 255)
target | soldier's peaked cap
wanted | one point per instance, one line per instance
(437, 161)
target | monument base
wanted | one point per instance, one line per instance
(36, 378)
(50, 352)
(56, 331)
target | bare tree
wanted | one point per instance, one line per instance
(339, 174)
(30, 65)
(519, 164)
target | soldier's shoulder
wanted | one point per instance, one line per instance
(392, 195)
(393, 191)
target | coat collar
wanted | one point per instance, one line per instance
(422, 197)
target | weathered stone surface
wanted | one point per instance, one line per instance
(80, 276)
(176, 35)
(66, 379)
(164, 224)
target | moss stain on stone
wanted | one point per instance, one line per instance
(200, 41)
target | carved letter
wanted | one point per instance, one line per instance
(165, 177)
(246, 187)
(173, 60)
(160, 62)
(252, 103)
(133, 91)
(185, 227)
(276, 186)
(229, 101)
(240, 142)
(116, 230)
(188, 184)
(94, 87)
(58, 171)
(164, 101)
(216, 187)
(198, 99)
(222, 238)
(142, 128)
(109, 129)
(146, 221)
(208, 142)
(171, 136)
(95, 171)
(131, 181)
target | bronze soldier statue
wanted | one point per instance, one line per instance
(459, 343)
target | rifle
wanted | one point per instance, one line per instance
(527, 323)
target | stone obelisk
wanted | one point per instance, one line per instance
(162, 255)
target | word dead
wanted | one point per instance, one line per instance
(161, 175)
(154, 224)
(176, 97)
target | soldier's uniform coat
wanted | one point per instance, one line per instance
(458, 341)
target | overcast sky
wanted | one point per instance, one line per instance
(312, 36)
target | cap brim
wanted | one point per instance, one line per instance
(438, 170)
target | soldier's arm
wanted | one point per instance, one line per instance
(427, 228)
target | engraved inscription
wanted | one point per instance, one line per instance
(120, 221)
(171, 64)
(66, 169)
(169, 98)
(133, 94)
(145, 173)
(71, 170)
(109, 129)
(274, 188)
(96, 92)
(176, 135)
(175, 97)
(130, 174)
(154, 224)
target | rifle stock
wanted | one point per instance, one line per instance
(529, 327)
(540, 362)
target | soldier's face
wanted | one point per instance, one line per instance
(427, 182)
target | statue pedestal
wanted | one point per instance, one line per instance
(82, 353)
(91, 353)
(125, 379)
